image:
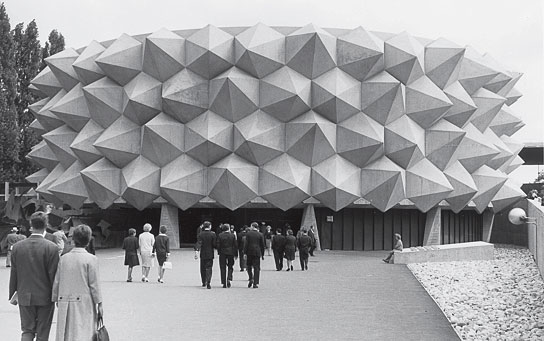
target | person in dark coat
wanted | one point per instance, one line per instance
(161, 248)
(34, 263)
(311, 234)
(131, 246)
(304, 243)
(290, 249)
(227, 248)
(253, 251)
(241, 238)
(206, 243)
(278, 246)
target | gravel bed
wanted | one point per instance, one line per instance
(502, 299)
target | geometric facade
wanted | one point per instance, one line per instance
(276, 115)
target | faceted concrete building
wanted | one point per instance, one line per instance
(363, 134)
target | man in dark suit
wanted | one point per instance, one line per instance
(254, 251)
(303, 244)
(227, 247)
(241, 241)
(278, 245)
(33, 269)
(206, 244)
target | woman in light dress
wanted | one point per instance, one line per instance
(146, 241)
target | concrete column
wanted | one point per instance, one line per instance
(488, 218)
(433, 227)
(169, 218)
(308, 219)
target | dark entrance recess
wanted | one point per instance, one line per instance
(368, 229)
(465, 226)
(190, 219)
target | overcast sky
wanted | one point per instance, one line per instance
(511, 31)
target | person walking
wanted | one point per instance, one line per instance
(205, 244)
(290, 249)
(77, 290)
(34, 263)
(303, 244)
(241, 238)
(146, 241)
(11, 239)
(278, 246)
(398, 247)
(268, 239)
(131, 246)
(254, 251)
(312, 235)
(227, 248)
(60, 239)
(161, 249)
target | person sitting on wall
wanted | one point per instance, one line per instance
(398, 247)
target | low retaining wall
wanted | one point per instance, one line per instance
(536, 233)
(446, 253)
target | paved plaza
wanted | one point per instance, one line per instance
(344, 296)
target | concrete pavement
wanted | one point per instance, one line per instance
(343, 296)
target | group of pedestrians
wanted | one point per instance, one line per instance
(149, 248)
(286, 247)
(249, 246)
(40, 277)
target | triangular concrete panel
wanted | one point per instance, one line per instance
(259, 50)
(164, 54)
(285, 94)
(122, 60)
(140, 182)
(120, 142)
(209, 138)
(105, 101)
(163, 139)
(360, 139)
(85, 66)
(209, 52)
(82, 145)
(426, 185)
(185, 96)
(463, 185)
(142, 100)
(61, 66)
(73, 109)
(103, 182)
(360, 53)
(285, 182)
(184, 181)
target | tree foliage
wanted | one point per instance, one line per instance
(21, 59)
(8, 92)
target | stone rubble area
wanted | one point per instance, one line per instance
(502, 299)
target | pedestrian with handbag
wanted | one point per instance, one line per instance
(76, 290)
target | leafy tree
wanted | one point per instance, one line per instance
(8, 119)
(53, 45)
(28, 58)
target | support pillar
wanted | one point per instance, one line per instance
(170, 219)
(487, 219)
(308, 219)
(433, 227)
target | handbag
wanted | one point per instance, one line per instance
(167, 265)
(101, 331)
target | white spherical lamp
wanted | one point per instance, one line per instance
(517, 216)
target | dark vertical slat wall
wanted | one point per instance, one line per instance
(370, 229)
(462, 227)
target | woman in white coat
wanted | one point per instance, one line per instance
(77, 291)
